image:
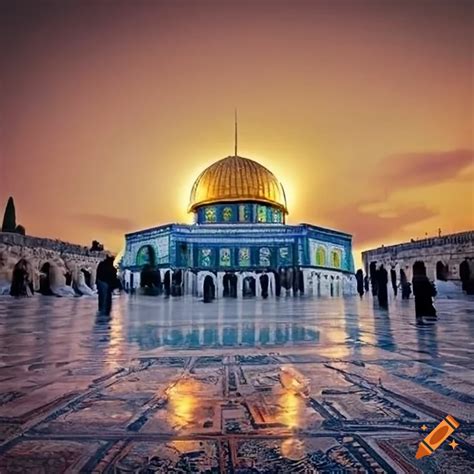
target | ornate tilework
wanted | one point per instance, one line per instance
(244, 257)
(276, 216)
(224, 257)
(205, 257)
(261, 213)
(265, 257)
(244, 213)
(285, 257)
(227, 214)
(210, 214)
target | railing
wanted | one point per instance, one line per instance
(56, 245)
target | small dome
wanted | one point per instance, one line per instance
(237, 179)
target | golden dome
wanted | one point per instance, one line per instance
(237, 179)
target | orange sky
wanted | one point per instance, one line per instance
(363, 109)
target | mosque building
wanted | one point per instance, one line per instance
(239, 244)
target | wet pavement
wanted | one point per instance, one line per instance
(176, 385)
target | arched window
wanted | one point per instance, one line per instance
(261, 213)
(321, 256)
(336, 258)
(145, 256)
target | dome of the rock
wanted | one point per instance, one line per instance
(237, 179)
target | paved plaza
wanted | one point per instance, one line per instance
(176, 385)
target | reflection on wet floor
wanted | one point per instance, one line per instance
(175, 385)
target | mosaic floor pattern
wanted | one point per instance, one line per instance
(176, 385)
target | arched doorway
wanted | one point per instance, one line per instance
(230, 285)
(209, 289)
(442, 271)
(146, 256)
(249, 288)
(264, 283)
(87, 277)
(22, 284)
(45, 283)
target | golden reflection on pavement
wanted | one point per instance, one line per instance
(183, 402)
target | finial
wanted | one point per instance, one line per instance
(235, 125)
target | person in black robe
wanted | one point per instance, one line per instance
(106, 283)
(393, 279)
(405, 285)
(264, 281)
(465, 274)
(382, 280)
(366, 283)
(360, 282)
(423, 290)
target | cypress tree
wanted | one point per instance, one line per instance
(9, 218)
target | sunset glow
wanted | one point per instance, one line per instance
(362, 109)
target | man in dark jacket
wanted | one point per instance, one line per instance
(106, 283)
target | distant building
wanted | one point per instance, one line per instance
(442, 255)
(239, 244)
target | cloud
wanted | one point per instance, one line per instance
(416, 169)
(368, 227)
(102, 222)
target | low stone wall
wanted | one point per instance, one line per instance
(64, 258)
(449, 250)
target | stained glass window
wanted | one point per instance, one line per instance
(261, 213)
(210, 214)
(244, 257)
(336, 258)
(276, 215)
(321, 256)
(265, 257)
(224, 257)
(244, 214)
(227, 214)
(206, 257)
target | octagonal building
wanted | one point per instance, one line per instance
(239, 244)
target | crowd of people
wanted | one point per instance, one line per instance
(423, 289)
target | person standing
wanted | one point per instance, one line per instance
(405, 285)
(464, 273)
(393, 278)
(382, 280)
(360, 282)
(106, 283)
(423, 290)
(366, 283)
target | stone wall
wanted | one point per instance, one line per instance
(64, 259)
(449, 250)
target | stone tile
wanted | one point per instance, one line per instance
(166, 385)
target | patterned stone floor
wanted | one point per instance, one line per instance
(176, 385)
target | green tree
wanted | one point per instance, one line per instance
(9, 218)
